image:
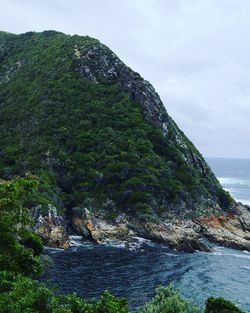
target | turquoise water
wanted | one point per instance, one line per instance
(89, 269)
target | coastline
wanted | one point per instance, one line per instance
(179, 234)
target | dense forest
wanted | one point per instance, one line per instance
(69, 115)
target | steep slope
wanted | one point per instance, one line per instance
(97, 134)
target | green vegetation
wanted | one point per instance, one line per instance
(168, 300)
(90, 145)
(19, 294)
(21, 263)
(89, 142)
(220, 305)
(19, 247)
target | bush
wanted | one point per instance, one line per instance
(110, 304)
(220, 305)
(168, 300)
(19, 247)
(225, 200)
(20, 294)
(32, 241)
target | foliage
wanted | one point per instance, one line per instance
(220, 305)
(168, 300)
(19, 247)
(20, 294)
(225, 199)
(90, 143)
(110, 304)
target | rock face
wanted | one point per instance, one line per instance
(181, 235)
(231, 231)
(98, 62)
(51, 228)
(98, 137)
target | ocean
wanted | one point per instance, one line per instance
(234, 175)
(88, 269)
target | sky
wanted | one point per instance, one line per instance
(196, 53)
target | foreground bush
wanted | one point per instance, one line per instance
(220, 305)
(20, 294)
(19, 247)
(168, 300)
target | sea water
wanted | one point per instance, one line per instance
(88, 269)
(234, 175)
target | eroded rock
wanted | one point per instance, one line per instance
(51, 227)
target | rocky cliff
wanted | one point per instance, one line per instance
(101, 141)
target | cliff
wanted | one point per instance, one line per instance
(101, 141)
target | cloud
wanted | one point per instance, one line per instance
(196, 54)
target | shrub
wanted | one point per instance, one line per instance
(18, 246)
(225, 200)
(110, 304)
(32, 241)
(168, 300)
(220, 305)
(22, 294)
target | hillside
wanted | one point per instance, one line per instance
(98, 137)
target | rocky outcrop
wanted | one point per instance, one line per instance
(231, 231)
(51, 227)
(98, 228)
(181, 235)
(97, 62)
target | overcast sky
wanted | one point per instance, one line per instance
(196, 53)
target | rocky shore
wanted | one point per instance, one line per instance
(231, 230)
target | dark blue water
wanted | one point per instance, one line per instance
(90, 269)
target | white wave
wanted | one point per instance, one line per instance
(218, 253)
(232, 255)
(219, 248)
(74, 237)
(115, 243)
(54, 249)
(233, 185)
(246, 267)
(243, 201)
(233, 181)
(172, 254)
(136, 243)
(74, 243)
(141, 240)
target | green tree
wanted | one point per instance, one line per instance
(168, 300)
(19, 247)
(220, 305)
